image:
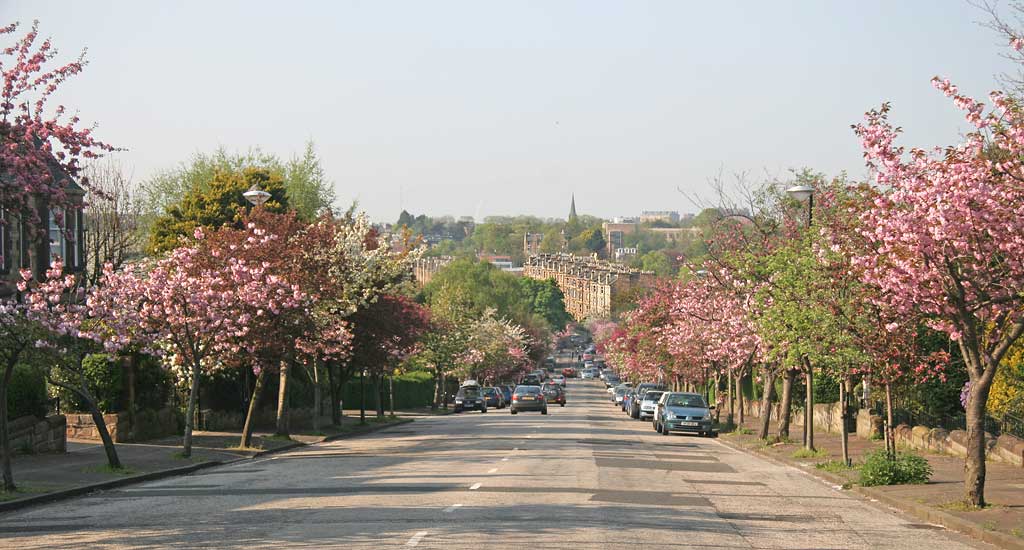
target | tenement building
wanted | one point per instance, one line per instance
(589, 285)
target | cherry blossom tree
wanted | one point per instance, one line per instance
(947, 242)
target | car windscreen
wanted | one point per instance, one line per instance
(695, 401)
(653, 395)
(468, 392)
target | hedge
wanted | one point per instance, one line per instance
(412, 390)
(26, 395)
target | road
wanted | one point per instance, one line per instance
(584, 476)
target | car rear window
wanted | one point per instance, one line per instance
(521, 390)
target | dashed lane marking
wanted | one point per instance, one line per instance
(505, 459)
(492, 470)
(452, 508)
(474, 486)
(415, 539)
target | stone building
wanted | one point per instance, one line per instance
(59, 234)
(425, 268)
(590, 285)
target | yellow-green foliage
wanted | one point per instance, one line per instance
(219, 203)
(1007, 394)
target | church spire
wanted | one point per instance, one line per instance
(572, 209)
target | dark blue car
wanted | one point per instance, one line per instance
(507, 392)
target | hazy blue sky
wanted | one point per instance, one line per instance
(478, 108)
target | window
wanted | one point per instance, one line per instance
(56, 234)
(23, 244)
(71, 250)
(5, 244)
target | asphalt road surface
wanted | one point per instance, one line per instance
(584, 476)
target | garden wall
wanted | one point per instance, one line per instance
(31, 435)
(149, 424)
(1005, 448)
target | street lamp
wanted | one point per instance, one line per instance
(804, 193)
(255, 195)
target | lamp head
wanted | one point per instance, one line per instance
(800, 192)
(255, 195)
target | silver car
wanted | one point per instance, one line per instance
(683, 412)
(649, 403)
(619, 392)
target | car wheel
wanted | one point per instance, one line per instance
(544, 411)
(513, 411)
(484, 410)
(563, 404)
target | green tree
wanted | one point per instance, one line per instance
(546, 300)
(218, 203)
(590, 240)
(659, 263)
(553, 241)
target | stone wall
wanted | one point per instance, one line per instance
(29, 434)
(1006, 448)
(148, 425)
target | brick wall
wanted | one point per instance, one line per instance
(29, 434)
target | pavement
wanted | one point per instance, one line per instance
(939, 500)
(584, 476)
(84, 466)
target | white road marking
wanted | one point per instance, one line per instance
(452, 508)
(515, 448)
(505, 459)
(492, 470)
(415, 540)
(474, 486)
(529, 436)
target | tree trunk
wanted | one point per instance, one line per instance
(5, 440)
(250, 415)
(335, 389)
(362, 397)
(391, 391)
(316, 397)
(437, 390)
(101, 426)
(974, 467)
(379, 383)
(739, 397)
(809, 412)
(282, 401)
(786, 405)
(890, 429)
(766, 402)
(730, 396)
(844, 397)
(129, 363)
(190, 411)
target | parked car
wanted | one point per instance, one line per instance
(611, 380)
(528, 398)
(649, 403)
(683, 412)
(494, 398)
(470, 398)
(620, 391)
(506, 394)
(531, 380)
(633, 407)
(558, 379)
(554, 394)
(569, 372)
(588, 374)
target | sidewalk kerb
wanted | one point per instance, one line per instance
(919, 511)
(19, 503)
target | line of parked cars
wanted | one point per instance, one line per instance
(535, 392)
(667, 411)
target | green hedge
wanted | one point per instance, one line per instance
(26, 395)
(108, 382)
(414, 389)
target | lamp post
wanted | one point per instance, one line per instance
(256, 196)
(806, 193)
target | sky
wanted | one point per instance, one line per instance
(482, 108)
